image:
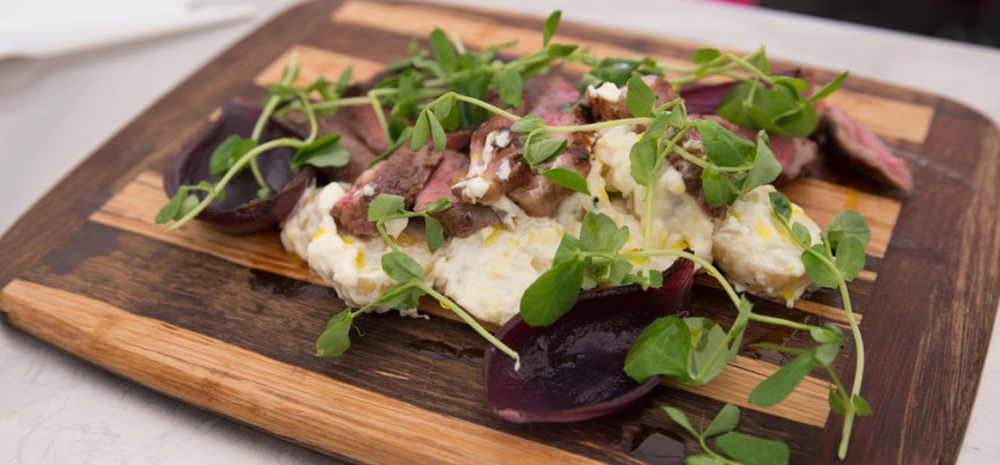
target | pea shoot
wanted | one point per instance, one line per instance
(736, 448)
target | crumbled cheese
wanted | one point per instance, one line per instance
(755, 252)
(503, 172)
(693, 145)
(396, 226)
(368, 190)
(502, 138)
(473, 188)
(607, 91)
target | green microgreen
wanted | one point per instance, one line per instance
(735, 448)
(832, 263)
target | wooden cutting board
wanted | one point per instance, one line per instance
(228, 323)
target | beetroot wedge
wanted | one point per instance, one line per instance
(241, 211)
(572, 370)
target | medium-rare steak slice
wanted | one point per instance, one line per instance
(403, 174)
(495, 164)
(462, 218)
(863, 148)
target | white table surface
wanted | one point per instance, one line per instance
(56, 409)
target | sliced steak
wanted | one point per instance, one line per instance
(360, 154)
(495, 167)
(366, 126)
(462, 218)
(403, 174)
(556, 105)
(604, 108)
(863, 148)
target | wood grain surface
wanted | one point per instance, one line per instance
(228, 323)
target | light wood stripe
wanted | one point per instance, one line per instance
(306, 407)
(315, 62)
(889, 118)
(134, 208)
(822, 201)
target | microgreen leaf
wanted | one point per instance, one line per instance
(384, 205)
(172, 209)
(436, 206)
(281, 90)
(704, 56)
(826, 353)
(227, 153)
(702, 459)
(663, 348)
(402, 296)
(510, 85)
(543, 150)
(401, 267)
(760, 61)
(837, 402)
(708, 350)
(549, 28)
(553, 294)
(828, 334)
(765, 167)
(640, 98)
(437, 133)
(336, 338)
(848, 223)
(829, 88)
(724, 421)
(722, 146)
(778, 386)
(561, 50)
(817, 270)
(567, 251)
(795, 83)
(681, 419)
(751, 450)
(861, 406)
(717, 192)
(442, 50)
(780, 206)
(599, 233)
(323, 152)
(567, 178)
(801, 234)
(850, 258)
(433, 233)
(733, 106)
(421, 132)
(642, 160)
(527, 124)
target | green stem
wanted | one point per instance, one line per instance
(265, 115)
(310, 115)
(598, 126)
(380, 226)
(469, 320)
(219, 186)
(750, 67)
(379, 115)
(479, 103)
(704, 447)
(715, 273)
(859, 368)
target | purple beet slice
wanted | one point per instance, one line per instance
(241, 211)
(572, 370)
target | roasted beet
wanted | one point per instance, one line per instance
(572, 370)
(241, 211)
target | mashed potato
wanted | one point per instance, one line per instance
(755, 251)
(349, 264)
(487, 271)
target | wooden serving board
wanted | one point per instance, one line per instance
(228, 323)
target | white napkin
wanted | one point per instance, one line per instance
(37, 28)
